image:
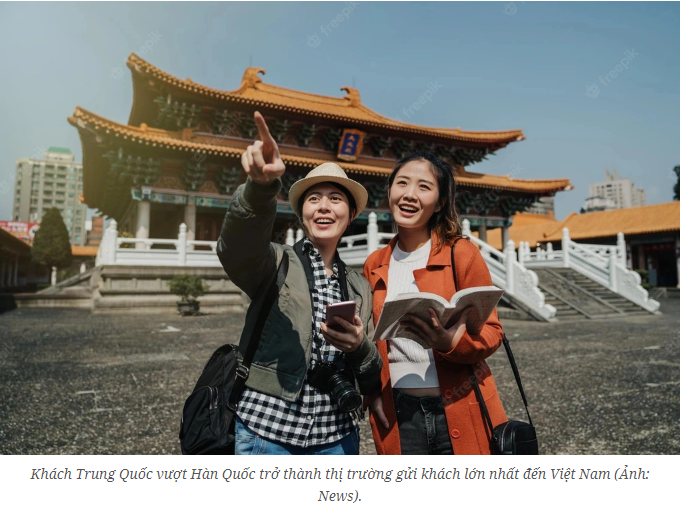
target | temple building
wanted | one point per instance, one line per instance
(650, 236)
(178, 158)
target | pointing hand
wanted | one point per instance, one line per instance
(262, 161)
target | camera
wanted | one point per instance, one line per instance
(328, 378)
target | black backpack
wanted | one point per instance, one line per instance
(207, 425)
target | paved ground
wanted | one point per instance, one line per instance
(72, 383)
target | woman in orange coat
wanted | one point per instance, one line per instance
(427, 404)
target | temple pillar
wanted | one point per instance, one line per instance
(16, 271)
(143, 218)
(190, 221)
(505, 236)
(482, 231)
(678, 266)
(641, 257)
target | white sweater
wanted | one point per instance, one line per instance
(411, 366)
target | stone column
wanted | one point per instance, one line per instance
(621, 249)
(190, 220)
(143, 218)
(466, 224)
(505, 235)
(482, 231)
(16, 271)
(372, 233)
(641, 257)
(509, 262)
(678, 268)
(182, 246)
(565, 247)
(612, 268)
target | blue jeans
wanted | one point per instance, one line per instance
(422, 424)
(248, 442)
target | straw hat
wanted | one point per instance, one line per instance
(328, 172)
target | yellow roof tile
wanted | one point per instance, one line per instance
(349, 108)
(84, 250)
(592, 225)
(83, 119)
(632, 221)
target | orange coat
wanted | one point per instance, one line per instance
(467, 429)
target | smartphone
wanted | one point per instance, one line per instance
(345, 310)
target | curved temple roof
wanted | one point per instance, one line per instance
(253, 91)
(187, 141)
(649, 219)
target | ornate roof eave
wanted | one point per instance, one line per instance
(179, 141)
(348, 109)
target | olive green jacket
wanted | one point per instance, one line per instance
(283, 353)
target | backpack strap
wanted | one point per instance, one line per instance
(256, 317)
(456, 282)
(307, 267)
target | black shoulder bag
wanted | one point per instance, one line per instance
(207, 425)
(511, 437)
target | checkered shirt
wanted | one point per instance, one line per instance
(314, 418)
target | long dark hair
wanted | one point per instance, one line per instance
(445, 223)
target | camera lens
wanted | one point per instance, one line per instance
(344, 392)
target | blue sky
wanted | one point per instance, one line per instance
(550, 69)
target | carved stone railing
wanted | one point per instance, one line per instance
(178, 252)
(606, 265)
(519, 283)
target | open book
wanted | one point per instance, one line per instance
(481, 300)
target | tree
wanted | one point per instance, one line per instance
(51, 246)
(676, 186)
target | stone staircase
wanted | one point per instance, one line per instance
(128, 289)
(577, 297)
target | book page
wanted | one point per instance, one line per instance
(481, 300)
(418, 304)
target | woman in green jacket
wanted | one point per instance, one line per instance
(300, 394)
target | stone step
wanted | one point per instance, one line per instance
(506, 313)
(153, 304)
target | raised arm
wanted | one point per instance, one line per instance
(244, 247)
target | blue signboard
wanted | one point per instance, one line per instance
(350, 146)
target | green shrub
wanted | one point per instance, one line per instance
(644, 279)
(126, 235)
(51, 246)
(188, 288)
(644, 275)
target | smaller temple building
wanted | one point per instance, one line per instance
(651, 235)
